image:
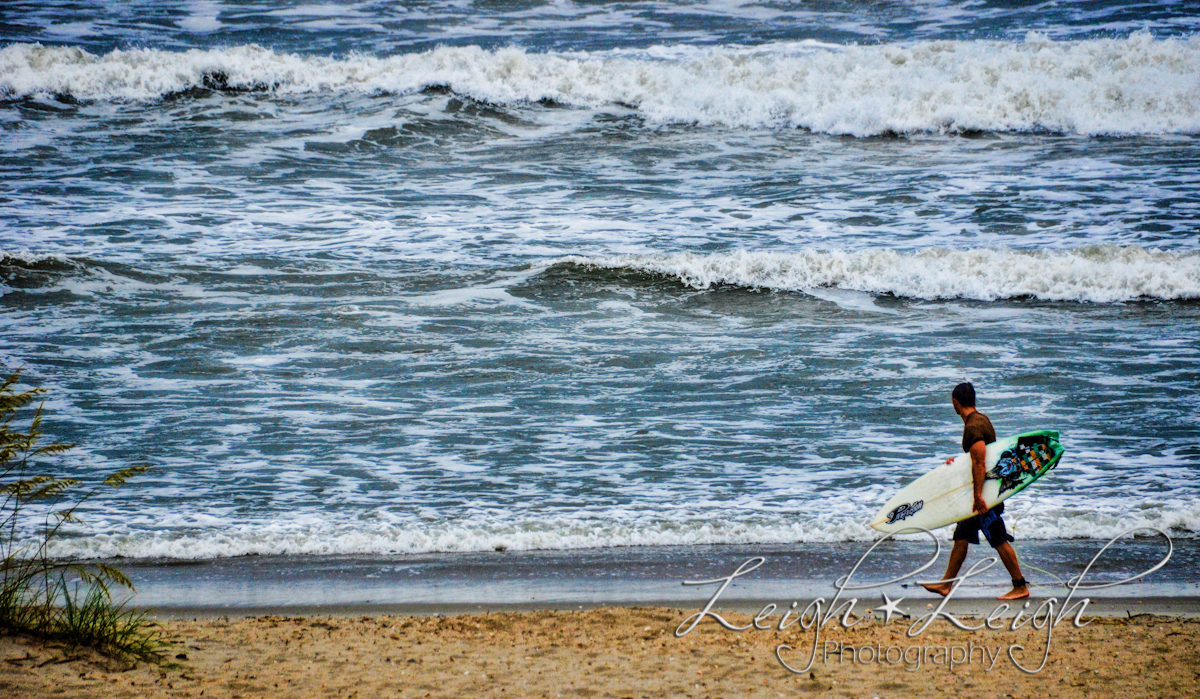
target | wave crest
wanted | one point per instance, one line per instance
(1099, 274)
(1136, 85)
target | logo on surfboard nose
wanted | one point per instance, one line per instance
(905, 511)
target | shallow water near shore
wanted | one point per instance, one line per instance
(514, 580)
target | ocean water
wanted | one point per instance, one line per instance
(363, 279)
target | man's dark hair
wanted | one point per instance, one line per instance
(964, 393)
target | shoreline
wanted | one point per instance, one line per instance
(968, 608)
(588, 578)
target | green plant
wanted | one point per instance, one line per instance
(52, 598)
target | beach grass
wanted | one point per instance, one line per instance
(46, 597)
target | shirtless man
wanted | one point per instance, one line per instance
(977, 434)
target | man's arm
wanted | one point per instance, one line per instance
(978, 471)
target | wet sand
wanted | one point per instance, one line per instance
(614, 652)
(626, 576)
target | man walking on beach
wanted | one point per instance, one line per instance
(977, 434)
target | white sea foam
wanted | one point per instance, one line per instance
(27, 257)
(1099, 273)
(314, 535)
(1117, 86)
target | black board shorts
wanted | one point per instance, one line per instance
(990, 522)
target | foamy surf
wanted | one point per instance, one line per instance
(1137, 85)
(309, 537)
(27, 258)
(1097, 274)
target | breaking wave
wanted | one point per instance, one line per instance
(1136, 85)
(1098, 274)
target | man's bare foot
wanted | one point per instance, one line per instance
(1016, 593)
(942, 589)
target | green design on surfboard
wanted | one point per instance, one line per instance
(1029, 459)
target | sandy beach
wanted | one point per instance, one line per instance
(613, 652)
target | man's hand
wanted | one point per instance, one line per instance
(950, 459)
(980, 506)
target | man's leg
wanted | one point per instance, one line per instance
(1008, 555)
(958, 554)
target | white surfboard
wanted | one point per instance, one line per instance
(946, 494)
